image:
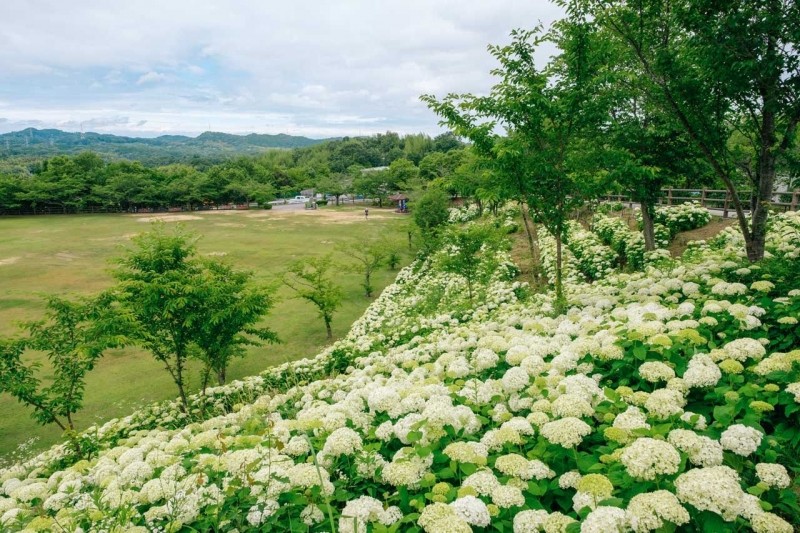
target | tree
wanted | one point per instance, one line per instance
(73, 335)
(718, 68)
(182, 185)
(549, 115)
(311, 280)
(161, 288)
(335, 184)
(182, 307)
(368, 257)
(470, 252)
(403, 174)
(431, 210)
(373, 184)
(231, 307)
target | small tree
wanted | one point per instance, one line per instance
(368, 257)
(393, 256)
(550, 115)
(73, 335)
(470, 252)
(232, 305)
(431, 210)
(161, 289)
(310, 279)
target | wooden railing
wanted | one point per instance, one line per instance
(716, 199)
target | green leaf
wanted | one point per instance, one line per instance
(640, 352)
(467, 468)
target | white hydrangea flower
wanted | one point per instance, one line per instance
(472, 510)
(571, 405)
(631, 418)
(568, 480)
(647, 458)
(794, 389)
(566, 432)
(358, 513)
(439, 517)
(515, 379)
(702, 372)
(665, 403)
(483, 481)
(770, 523)
(651, 509)
(467, 452)
(505, 496)
(311, 515)
(714, 489)
(655, 371)
(606, 519)
(741, 440)
(743, 349)
(530, 521)
(773, 474)
(343, 441)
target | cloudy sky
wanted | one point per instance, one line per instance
(317, 68)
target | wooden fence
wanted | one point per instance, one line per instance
(716, 199)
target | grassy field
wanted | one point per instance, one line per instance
(71, 255)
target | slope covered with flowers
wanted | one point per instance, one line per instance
(662, 399)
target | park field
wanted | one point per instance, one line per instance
(73, 254)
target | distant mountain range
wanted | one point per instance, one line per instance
(157, 150)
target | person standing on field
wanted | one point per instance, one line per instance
(366, 213)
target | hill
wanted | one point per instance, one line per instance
(158, 150)
(663, 398)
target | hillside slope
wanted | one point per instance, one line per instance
(163, 149)
(662, 398)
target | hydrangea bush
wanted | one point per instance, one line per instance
(628, 244)
(457, 215)
(681, 217)
(661, 399)
(594, 259)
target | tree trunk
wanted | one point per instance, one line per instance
(328, 328)
(221, 375)
(560, 301)
(528, 223)
(367, 285)
(647, 226)
(179, 382)
(206, 374)
(766, 178)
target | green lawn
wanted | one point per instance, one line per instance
(71, 255)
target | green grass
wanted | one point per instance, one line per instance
(71, 255)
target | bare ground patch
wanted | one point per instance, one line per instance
(9, 260)
(681, 240)
(169, 218)
(66, 256)
(336, 217)
(116, 238)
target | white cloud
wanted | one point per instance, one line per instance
(308, 60)
(151, 77)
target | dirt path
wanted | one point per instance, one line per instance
(681, 240)
(349, 216)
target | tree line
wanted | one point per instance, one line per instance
(87, 181)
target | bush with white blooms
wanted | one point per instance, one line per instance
(659, 400)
